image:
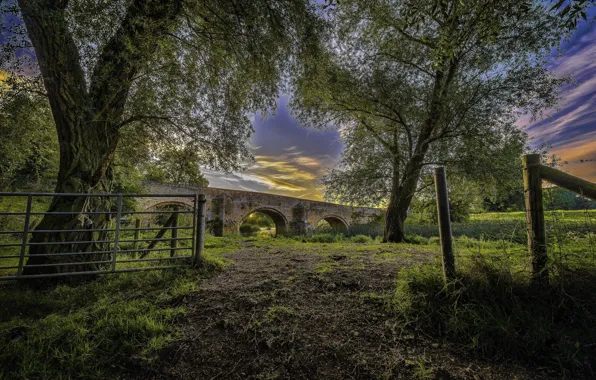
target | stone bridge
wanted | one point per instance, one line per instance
(226, 209)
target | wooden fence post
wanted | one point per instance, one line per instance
(25, 235)
(535, 218)
(444, 224)
(200, 238)
(174, 234)
(117, 233)
(135, 244)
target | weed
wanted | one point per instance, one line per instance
(320, 238)
(362, 239)
(495, 312)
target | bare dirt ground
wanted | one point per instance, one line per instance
(294, 312)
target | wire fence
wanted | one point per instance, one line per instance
(501, 237)
(107, 235)
(497, 234)
(546, 237)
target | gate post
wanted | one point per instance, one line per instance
(444, 224)
(535, 218)
(200, 238)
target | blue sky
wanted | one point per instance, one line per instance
(290, 158)
(571, 128)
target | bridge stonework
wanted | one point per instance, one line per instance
(226, 209)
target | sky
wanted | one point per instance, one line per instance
(571, 128)
(290, 158)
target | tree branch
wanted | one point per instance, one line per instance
(131, 46)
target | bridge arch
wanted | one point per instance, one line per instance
(280, 220)
(335, 221)
(167, 203)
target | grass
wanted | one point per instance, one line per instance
(510, 225)
(496, 313)
(493, 310)
(103, 328)
(114, 325)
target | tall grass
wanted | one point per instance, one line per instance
(492, 310)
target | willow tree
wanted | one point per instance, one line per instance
(190, 71)
(417, 83)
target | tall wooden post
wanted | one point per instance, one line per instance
(200, 238)
(174, 234)
(135, 244)
(117, 233)
(25, 235)
(444, 224)
(535, 218)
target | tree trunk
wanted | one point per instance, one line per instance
(402, 193)
(403, 189)
(85, 173)
(394, 217)
(85, 158)
(88, 119)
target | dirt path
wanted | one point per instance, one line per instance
(296, 313)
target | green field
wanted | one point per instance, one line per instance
(571, 235)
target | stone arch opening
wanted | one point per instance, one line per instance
(334, 222)
(169, 205)
(279, 219)
(155, 220)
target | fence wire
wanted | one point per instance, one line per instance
(501, 237)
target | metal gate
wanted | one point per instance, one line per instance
(168, 235)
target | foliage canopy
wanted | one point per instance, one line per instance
(413, 84)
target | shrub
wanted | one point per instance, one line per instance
(249, 229)
(434, 240)
(416, 239)
(325, 238)
(371, 229)
(362, 239)
(494, 313)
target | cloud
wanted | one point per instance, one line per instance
(576, 150)
(289, 173)
(571, 128)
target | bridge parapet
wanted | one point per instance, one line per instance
(226, 209)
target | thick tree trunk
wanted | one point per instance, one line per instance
(85, 173)
(88, 120)
(394, 217)
(395, 220)
(402, 193)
